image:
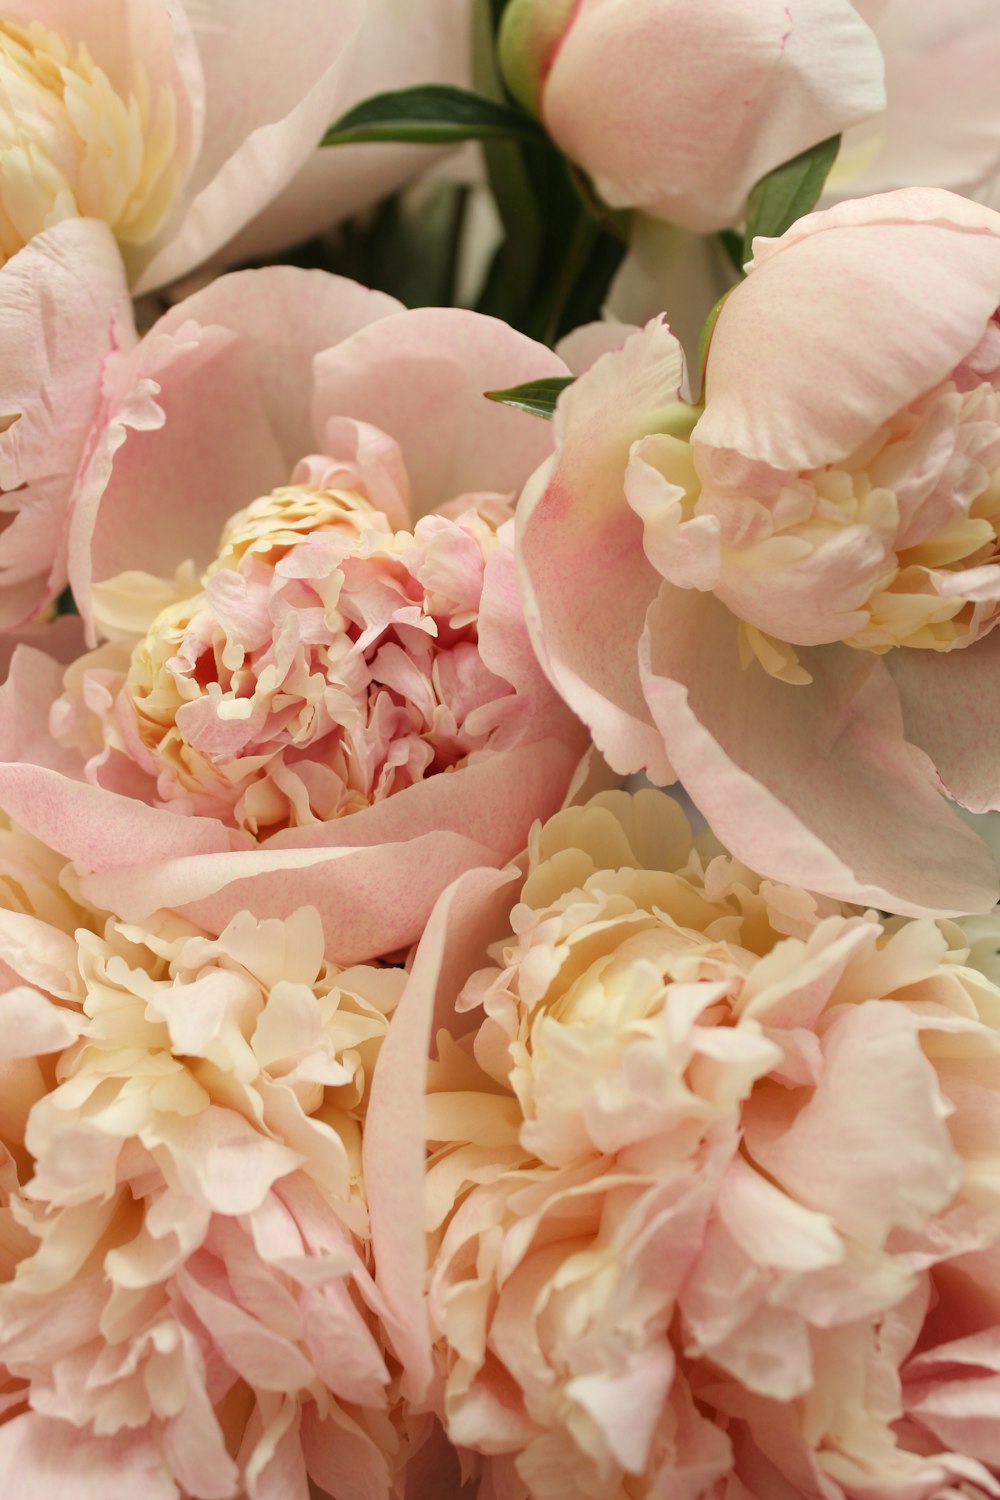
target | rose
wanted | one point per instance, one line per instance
(706, 1203)
(678, 107)
(315, 690)
(809, 565)
(176, 124)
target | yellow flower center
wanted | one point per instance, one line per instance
(72, 146)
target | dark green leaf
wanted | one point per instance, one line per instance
(538, 397)
(788, 192)
(433, 114)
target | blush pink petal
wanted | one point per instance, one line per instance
(40, 1457)
(584, 346)
(580, 556)
(954, 1390)
(678, 108)
(235, 359)
(951, 707)
(421, 378)
(62, 303)
(811, 399)
(273, 80)
(812, 786)
(400, 45)
(394, 1150)
(941, 127)
(373, 876)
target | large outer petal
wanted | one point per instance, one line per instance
(941, 126)
(61, 301)
(453, 945)
(848, 317)
(274, 76)
(585, 581)
(209, 412)
(811, 785)
(373, 876)
(678, 107)
(421, 378)
(951, 706)
(401, 44)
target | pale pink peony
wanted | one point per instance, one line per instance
(178, 123)
(811, 562)
(712, 1193)
(678, 107)
(292, 524)
(186, 1299)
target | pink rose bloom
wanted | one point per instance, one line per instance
(177, 123)
(187, 1305)
(678, 107)
(809, 567)
(712, 1198)
(315, 689)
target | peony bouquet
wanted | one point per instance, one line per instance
(499, 750)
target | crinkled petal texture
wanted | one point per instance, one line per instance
(186, 1300)
(679, 108)
(801, 555)
(711, 1200)
(941, 125)
(177, 124)
(63, 309)
(293, 526)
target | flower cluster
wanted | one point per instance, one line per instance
(404, 1096)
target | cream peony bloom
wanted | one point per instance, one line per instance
(186, 1292)
(712, 1173)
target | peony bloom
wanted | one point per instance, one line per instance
(176, 124)
(293, 525)
(186, 1297)
(712, 1191)
(810, 562)
(678, 107)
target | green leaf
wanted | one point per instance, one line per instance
(538, 397)
(433, 114)
(788, 192)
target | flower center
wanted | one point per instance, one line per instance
(895, 546)
(327, 663)
(72, 145)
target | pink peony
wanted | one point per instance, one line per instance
(810, 563)
(186, 1301)
(678, 107)
(314, 688)
(177, 123)
(712, 1192)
